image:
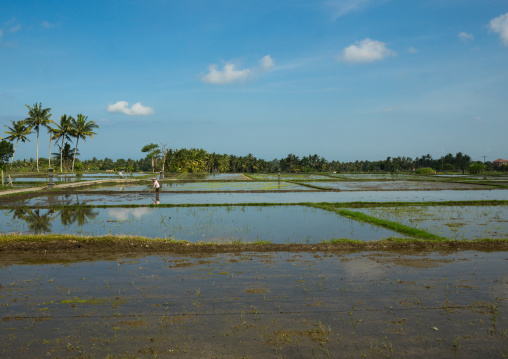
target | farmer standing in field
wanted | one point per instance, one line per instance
(156, 184)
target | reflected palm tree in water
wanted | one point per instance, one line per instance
(81, 215)
(37, 222)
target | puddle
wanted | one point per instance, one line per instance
(279, 224)
(456, 222)
(373, 304)
(395, 185)
(268, 197)
(213, 186)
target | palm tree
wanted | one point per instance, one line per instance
(17, 132)
(81, 128)
(63, 130)
(52, 135)
(37, 117)
(66, 153)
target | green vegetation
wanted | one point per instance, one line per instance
(425, 171)
(6, 151)
(17, 132)
(397, 227)
(81, 128)
(476, 168)
(37, 117)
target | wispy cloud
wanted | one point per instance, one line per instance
(500, 25)
(412, 50)
(464, 36)
(15, 28)
(366, 51)
(342, 7)
(47, 25)
(136, 109)
(230, 73)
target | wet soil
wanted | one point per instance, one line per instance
(373, 304)
(74, 247)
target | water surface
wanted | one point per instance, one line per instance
(278, 224)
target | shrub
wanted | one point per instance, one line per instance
(476, 167)
(425, 171)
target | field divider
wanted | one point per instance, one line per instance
(394, 226)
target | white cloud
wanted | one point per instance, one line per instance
(267, 63)
(47, 25)
(412, 50)
(230, 73)
(136, 109)
(366, 51)
(123, 214)
(342, 7)
(464, 36)
(500, 25)
(15, 28)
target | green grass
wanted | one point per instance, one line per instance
(394, 226)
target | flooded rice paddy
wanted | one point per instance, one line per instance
(289, 176)
(213, 186)
(123, 198)
(395, 185)
(276, 224)
(457, 222)
(257, 305)
(369, 304)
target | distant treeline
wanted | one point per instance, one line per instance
(199, 160)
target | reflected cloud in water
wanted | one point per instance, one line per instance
(123, 214)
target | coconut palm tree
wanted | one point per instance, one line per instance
(63, 130)
(52, 135)
(81, 128)
(66, 153)
(17, 132)
(37, 117)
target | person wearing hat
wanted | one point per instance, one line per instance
(156, 184)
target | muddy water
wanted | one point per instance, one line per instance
(269, 197)
(272, 305)
(456, 222)
(280, 224)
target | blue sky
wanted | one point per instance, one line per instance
(346, 79)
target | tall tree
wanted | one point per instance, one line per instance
(152, 151)
(63, 130)
(52, 132)
(81, 128)
(6, 151)
(17, 132)
(37, 117)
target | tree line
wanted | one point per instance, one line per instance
(161, 158)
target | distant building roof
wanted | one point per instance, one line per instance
(500, 160)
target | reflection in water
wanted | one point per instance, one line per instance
(123, 214)
(81, 215)
(39, 222)
(157, 200)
